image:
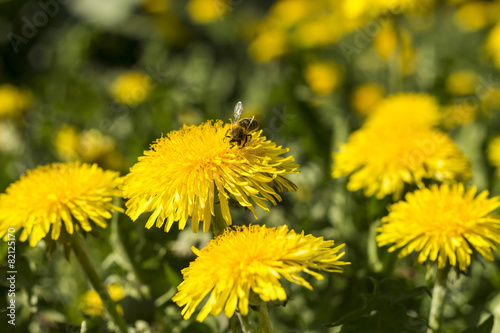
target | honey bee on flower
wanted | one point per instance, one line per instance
(241, 129)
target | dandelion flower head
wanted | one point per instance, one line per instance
(366, 97)
(323, 77)
(493, 44)
(13, 101)
(443, 224)
(494, 153)
(131, 88)
(382, 160)
(253, 259)
(91, 303)
(185, 173)
(206, 11)
(405, 109)
(50, 197)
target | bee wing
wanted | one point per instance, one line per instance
(238, 111)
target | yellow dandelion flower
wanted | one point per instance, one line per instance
(472, 16)
(268, 45)
(491, 99)
(366, 97)
(91, 303)
(206, 11)
(458, 114)
(443, 224)
(50, 197)
(461, 83)
(131, 88)
(494, 153)
(406, 109)
(315, 32)
(253, 259)
(13, 101)
(404, 5)
(381, 160)
(183, 173)
(386, 41)
(323, 77)
(286, 13)
(66, 143)
(89, 146)
(493, 44)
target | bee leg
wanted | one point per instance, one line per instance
(246, 139)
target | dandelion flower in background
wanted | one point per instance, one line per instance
(323, 77)
(206, 11)
(443, 224)
(493, 44)
(458, 114)
(472, 16)
(253, 259)
(381, 160)
(366, 97)
(59, 196)
(13, 101)
(405, 109)
(386, 41)
(494, 153)
(89, 146)
(91, 303)
(131, 88)
(186, 172)
(462, 83)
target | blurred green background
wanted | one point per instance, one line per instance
(100, 81)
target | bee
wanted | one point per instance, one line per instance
(240, 133)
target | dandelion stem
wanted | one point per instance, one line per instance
(265, 322)
(244, 323)
(218, 222)
(438, 297)
(89, 269)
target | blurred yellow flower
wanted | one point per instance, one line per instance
(408, 55)
(323, 77)
(491, 99)
(59, 196)
(493, 44)
(494, 153)
(315, 32)
(91, 303)
(156, 6)
(13, 101)
(89, 146)
(252, 259)
(472, 15)
(131, 88)
(443, 224)
(458, 114)
(381, 160)
(206, 11)
(386, 41)
(181, 175)
(405, 109)
(366, 97)
(461, 83)
(287, 13)
(268, 45)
